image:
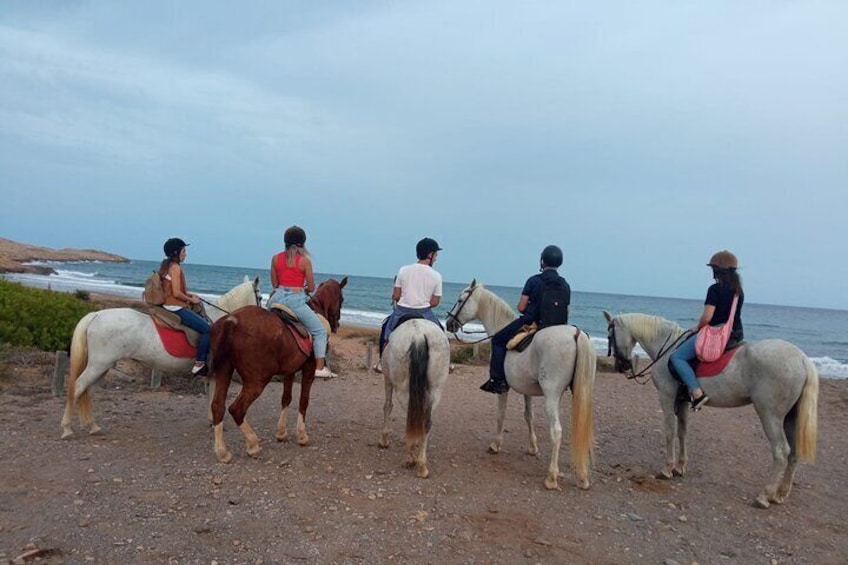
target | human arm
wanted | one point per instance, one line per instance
(706, 316)
(274, 282)
(396, 291)
(522, 303)
(434, 301)
(306, 268)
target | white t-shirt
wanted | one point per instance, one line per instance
(418, 283)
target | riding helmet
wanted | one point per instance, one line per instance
(723, 260)
(294, 236)
(425, 247)
(173, 247)
(551, 256)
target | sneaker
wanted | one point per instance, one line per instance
(698, 403)
(495, 387)
(200, 370)
(378, 367)
(325, 373)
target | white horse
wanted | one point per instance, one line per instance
(416, 366)
(102, 338)
(774, 375)
(558, 357)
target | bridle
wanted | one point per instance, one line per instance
(455, 317)
(623, 364)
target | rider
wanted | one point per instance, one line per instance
(291, 275)
(716, 312)
(179, 301)
(545, 300)
(417, 290)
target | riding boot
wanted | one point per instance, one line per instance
(497, 376)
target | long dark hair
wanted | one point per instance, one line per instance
(730, 278)
(165, 265)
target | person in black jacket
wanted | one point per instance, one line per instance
(545, 300)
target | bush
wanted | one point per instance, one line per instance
(464, 354)
(83, 295)
(38, 318)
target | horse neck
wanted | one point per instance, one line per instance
(240, 296)
(652, 332)
(493, 312)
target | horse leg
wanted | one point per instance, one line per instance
(250, 391)
(679, 470)
(670, 420)
(423, 471)
(495, 446)
(773, 428)
(305, 388)
(219, 383)
(555, 427)
(387, 411)
(285, 402)
(528, 417)
(789, 429)
(82, 400)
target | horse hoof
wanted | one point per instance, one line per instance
(761, 502)
(551, 484)
(665, 475)
(383, 445)
(494, 449)
(423, 473)
(583, 484)
(254, 452)
(303, 441)
(66, 434)
(533, 452)
(282, 438)
(95, 430)
(227, 457)
(678, 473)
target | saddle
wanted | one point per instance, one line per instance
(163, 318)
(704, 369)
(522, 339)
(298, 330)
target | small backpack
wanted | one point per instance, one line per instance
(154, 291)
(553, 304)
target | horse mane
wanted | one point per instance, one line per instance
(647, 327)
(497, 310)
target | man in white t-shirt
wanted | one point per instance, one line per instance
(417, 289)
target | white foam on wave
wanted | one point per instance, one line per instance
(75, 274)
(830, 368)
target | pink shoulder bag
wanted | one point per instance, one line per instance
(712, 340)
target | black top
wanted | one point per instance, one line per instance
(722, 297)
(533, 289)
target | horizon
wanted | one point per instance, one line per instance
(641, 139)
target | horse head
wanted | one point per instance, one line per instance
(328, 300)
(620, 343)
(465, 308)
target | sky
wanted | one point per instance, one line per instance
(639, 137)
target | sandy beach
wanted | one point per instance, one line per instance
(150, 490)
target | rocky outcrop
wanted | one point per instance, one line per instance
(13, 255)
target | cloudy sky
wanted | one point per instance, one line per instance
(640, 137)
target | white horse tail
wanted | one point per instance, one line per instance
(78, 363)
(806, 420)
(582, 409)
(419, 408)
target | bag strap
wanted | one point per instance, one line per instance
(732, 310)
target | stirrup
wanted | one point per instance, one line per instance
(699, 403)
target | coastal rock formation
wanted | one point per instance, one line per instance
(13, 255)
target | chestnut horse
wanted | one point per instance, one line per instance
(255, 342)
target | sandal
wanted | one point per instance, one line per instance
(698, 403)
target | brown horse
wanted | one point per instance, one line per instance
(256, 343)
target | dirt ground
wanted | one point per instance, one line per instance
(150, 490)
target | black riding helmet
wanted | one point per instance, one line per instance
(551, 256)
(294, 236)
(425, 247)
(173, 247)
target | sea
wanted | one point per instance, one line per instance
(821, 333)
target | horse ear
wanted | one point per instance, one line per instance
(608, 316)
(246, 278)
(473, 282)
(255, 281)
(343, 282)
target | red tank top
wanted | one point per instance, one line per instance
(291, 277)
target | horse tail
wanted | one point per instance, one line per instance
(78, 362)
(582, 408)
(806, 421)
(419, 406)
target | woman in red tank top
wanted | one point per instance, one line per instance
(292, 279)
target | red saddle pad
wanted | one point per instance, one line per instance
(175, 341)
(713, 368)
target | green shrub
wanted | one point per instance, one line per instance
(38, 318)
(464, 354)
(83, 295)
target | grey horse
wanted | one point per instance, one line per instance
(773, 375)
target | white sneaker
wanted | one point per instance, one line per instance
(378, 367)
(325, 373)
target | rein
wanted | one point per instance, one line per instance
(455, 317)
(213, 305)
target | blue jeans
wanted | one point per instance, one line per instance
(201, 326)
(391, 321)
(499, 341)
(296, 301)
(680, 360)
